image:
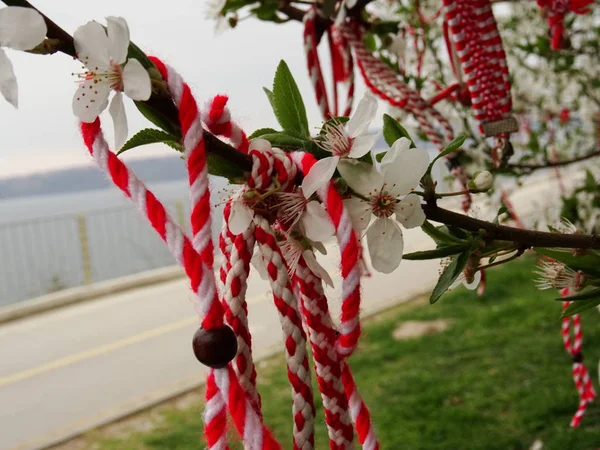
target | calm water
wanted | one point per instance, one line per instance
(40, 238)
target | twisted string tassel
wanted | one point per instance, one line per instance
(386, 84)
(235, 268)
(217, 118)
(322, 334)
(359, 411)
(581, 377)
(341, 63)
(295, 339)
(223, 388)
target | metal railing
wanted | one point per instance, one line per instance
(45, 255)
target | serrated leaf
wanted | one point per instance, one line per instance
(579, 307)
(260, 132)
(448, 276)
(287, 101)
(158, 119)
(451, 147)
(270, 98)
(585, 295)
(441, 252)
(151, 136)
(588, 263)
(392, 131)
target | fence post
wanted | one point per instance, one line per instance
(180, 213)
(85, 249)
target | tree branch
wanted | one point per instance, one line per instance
(532, 167)
(528, 238)
(157, 102)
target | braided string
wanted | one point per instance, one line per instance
(217, 118)
(295, 339)
(235, 268)
(581, 376)
(350, 261)
(341, 62)
(384, 83)
(328, 366)
(223, 389)
(479, 46)
(557, 11)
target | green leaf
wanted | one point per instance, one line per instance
(438, 235)
(452, 146)
(579, 307)
(585, 295)
(588, 263)
(450, 274)
(223, 168)
(151, 136)
(441, 252)
(261, 132)
(136, 53)
(270, 97)
(158, 119)
(332, 122)
(287, 102)
(392, 131)
(283, 140)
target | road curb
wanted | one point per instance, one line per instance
(182, 388)
(84, 293)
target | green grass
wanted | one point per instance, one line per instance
(499, 378)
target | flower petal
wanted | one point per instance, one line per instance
(363, 178)
(409, 211)
(362, 117)
(315, 222)
(399, 146)
(117, 112)
(89, 103)
(259, 264)
(21, 28)
(8, 81)
(136, 81)
(316, 268)
(473, 285)
(350, 3)
(118, 39)
(319, 175)
(360, 213)
(362, 145)
(386, 244)
(240, 218)
(91, 45)
(406, 170)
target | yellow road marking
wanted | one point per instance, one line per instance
(87, 354)
(102, 349)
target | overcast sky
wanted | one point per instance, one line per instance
(42, 134)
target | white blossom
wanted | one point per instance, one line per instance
(349, 140)
(104, 55)
(20, 29)
(379, 195)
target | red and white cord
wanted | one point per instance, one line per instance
(581, 376)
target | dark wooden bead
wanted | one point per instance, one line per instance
(215, 347)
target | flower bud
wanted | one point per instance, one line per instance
(481, 182)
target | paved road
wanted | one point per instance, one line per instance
(70, 369)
